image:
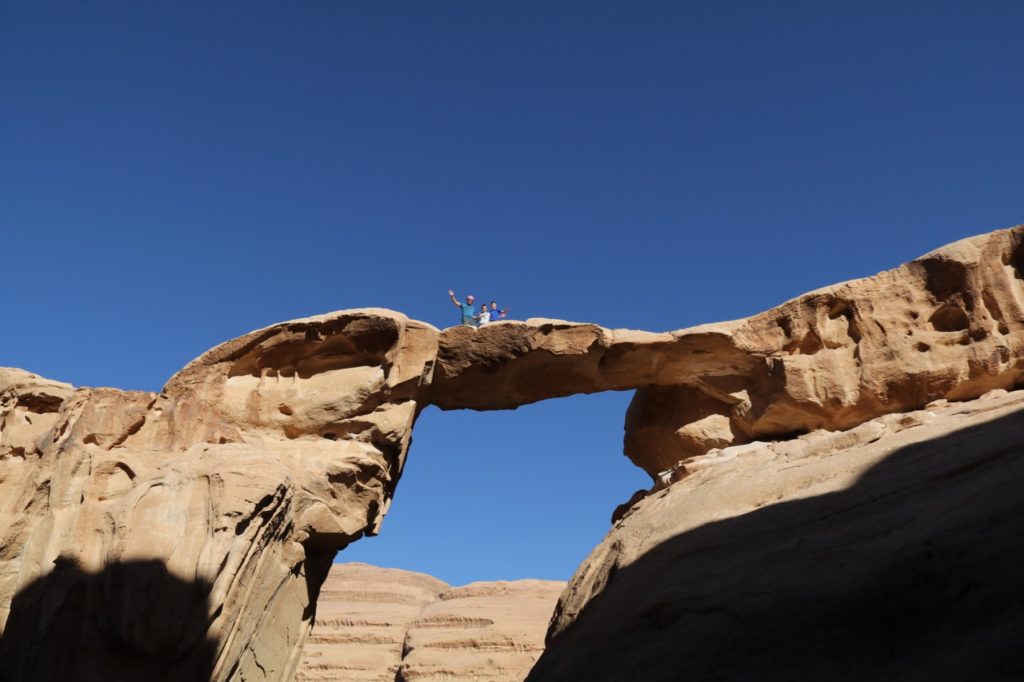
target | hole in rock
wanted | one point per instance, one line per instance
(923, 347)
(40, 403)
(809, 345)
(949, 318)
(994, 310)
(508, 494)
(944, 278)
(303, 358)
(785, 325)
(840, 308)
(1015, 258)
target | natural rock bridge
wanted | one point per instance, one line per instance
(221, 501)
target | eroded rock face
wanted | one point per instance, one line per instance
(228, 493)
(363, 614)
(184, 535)
(386, 624)
(888, 551)
(947, 325)
(507, 364)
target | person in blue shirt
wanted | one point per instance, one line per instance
(497, 314)
(468, 309)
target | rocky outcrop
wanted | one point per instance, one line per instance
(488, 631)
(363, 614)
(947, 325)
(506, 364)
(184, 535)
(386, 624)
(228, 494)
(887, 551)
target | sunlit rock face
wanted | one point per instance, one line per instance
(947, 325)
(184, 535)
(363, 613)
(386, 624)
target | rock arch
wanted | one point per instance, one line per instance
(269, 453)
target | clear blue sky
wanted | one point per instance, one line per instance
(173, 174)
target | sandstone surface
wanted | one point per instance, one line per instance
(363, 614)
(486, 631)
(946, 325)
(184, 535)
(888, 551)
(385, 624)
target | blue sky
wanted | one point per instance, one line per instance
(175, 174)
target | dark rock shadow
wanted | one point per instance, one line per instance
(916, 572)
(132, 621)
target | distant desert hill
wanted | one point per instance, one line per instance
(385, 624)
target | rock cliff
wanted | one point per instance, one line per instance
(386, 624)
(185, 534)
(890, 551)
(363, 614)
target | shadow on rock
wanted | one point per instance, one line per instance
(913, 573)
(132, 621)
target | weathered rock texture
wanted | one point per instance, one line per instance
(385, 624)
(947, 325)
(227, 495)
(362, 616)
(184, 535)
(891, 551)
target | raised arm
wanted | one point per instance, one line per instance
(455, 301)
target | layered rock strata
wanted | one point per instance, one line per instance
(889, 551)
(184, 535)
(487, 631)
(363, 614)
(382, 625)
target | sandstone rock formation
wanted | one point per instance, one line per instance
(483, 631)
(184, 535)
(888, 551)
(386, 624)
(362, 616)
(947, 325)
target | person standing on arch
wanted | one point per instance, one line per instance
(495, 313)
(467, 308)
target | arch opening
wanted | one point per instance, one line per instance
(507, 494)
